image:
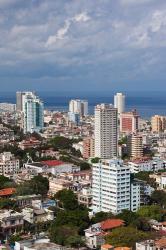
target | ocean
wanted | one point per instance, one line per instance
(147, 104)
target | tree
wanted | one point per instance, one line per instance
(60, 142)
(127, 216)
(60, 235)
(84, 166)
(151, 212)
(159, 197)
(39, 185)
(4, 181)
(95, 160)
(126, 236)
(67, 198)
(101, 216)
(142, 223)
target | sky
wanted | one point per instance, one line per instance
(83, 45)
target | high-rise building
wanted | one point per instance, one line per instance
(129, 122)
(135, 146)
(119, 102)
(111, 186)
(106, 131)
(19, 99)
(33, 118)
(158, 123)
(78, 106)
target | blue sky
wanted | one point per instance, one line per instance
(83, 45)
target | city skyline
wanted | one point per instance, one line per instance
(82, 45)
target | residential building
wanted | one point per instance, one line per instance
(8, 163)
(111, 186)
(135, 195)
(129, 122)
(146, 164)
(88, 147)
(19, 99)
(10, 222)
(7, 192)
(54, 167)
(159, 244)
(74, 117)
(78, 107)
(57, 184)
(158, 123)
(85, 197)
(95, 235)
(135, 146)
(119, 102)
(33, 116)
(106, 132)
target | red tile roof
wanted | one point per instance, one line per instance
(7, 191)
(52, 163)
(111, 223)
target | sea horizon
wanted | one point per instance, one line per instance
(146, 103)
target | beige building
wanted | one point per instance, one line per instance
(135, 146)
(158, 123)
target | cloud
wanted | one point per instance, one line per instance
(82, 17)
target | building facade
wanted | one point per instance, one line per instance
(129, 122)
(79, 107)
(33, 113)
(111, 186)
(119, 102)
(106, 131)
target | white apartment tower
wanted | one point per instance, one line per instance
(78, 107)
(106, 131)
(33, 118)
(119, 102)
(111, 186)
(112, 189)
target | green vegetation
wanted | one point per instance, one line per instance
(126, 236)
(159, 197)
(69, 225)
(37, 185)
(5, 182)
(95, 160)
(101, 216)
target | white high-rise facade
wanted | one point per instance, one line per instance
(33, 117)
(78, 107)
(119, 102)
(19, 99)
(106, 131)
(112, 189)
(111, 186)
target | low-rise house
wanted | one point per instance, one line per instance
(80, 175)
(159, 244)
(95, 235)
(7, 192)
(26, 200)
(10, 222)
(85, 197)
(158, 226)
(57, 184)
(53, 167)
(30, 143)
(34, 216)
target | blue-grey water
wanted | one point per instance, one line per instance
(147, 104)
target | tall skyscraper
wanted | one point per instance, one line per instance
(119, 102)
(135, 146)
(158, 123)
(19, 99)
(106, 131)
(33, 118)
(79, 106)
